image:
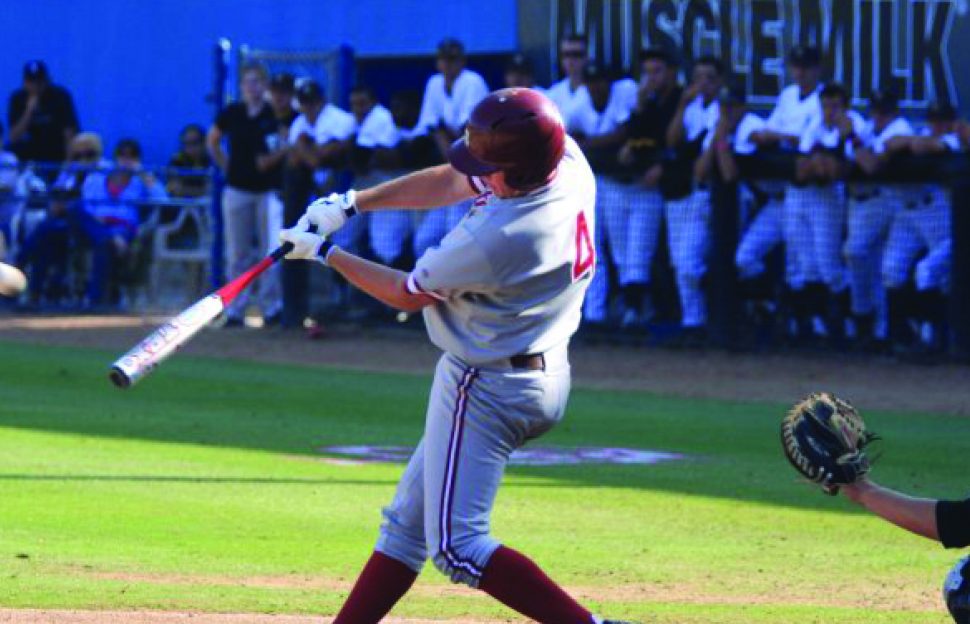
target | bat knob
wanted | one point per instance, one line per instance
(119, 378)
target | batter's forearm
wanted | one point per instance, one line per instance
(421, 190)
(917, 515)
(387, 285)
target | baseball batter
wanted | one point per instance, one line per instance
(501, 296)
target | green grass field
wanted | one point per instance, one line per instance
(200, 490)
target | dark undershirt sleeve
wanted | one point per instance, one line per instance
(953, 523)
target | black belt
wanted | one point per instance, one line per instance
(528, 361)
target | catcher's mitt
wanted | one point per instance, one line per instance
(824, 438)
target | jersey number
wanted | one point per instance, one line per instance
(585, 252)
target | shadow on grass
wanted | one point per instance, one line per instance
(294, 410)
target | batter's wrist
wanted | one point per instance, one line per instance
(351, 208)
(326, 249)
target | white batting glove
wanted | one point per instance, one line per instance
(331, 212)
(306, 245)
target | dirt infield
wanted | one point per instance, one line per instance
(872, 383)
(31, 616)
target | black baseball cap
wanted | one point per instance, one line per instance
(35, 70)
(804, 56)
(657, 53)
(451, 48)
(883, 101)
(308, 90)
(941, 111)
(282, 82)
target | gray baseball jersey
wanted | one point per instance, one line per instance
(511, 276)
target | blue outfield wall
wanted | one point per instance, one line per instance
(143, 68)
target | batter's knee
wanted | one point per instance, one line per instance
(463, 560)
(402, 538)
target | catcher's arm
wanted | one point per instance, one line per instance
(944, 521)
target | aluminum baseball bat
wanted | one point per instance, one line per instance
(168, 338)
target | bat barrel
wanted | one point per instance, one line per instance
(119, 378)
(161, 343)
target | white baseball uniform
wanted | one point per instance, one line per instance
(565, 97)
(583, 118)
(509, 280)
(687, 223)
(871, 212)
(450, 109)
(924, 226)
(793, 113)
(332, 124)
(388, 230)
(815, 217)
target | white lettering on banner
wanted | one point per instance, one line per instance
(864, 44)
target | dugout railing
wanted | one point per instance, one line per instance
(725, 299)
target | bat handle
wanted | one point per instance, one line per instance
(280, 252)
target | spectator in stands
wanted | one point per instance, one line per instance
(687, 215)
(449, 97)
(633, 205)
(188, 176)
(8, 202)
(318, 135)
(796, 107)
(519, 72)
(595, 122)
(818, 216)
(872, 208)
(104, 217)
(282, 89)
(415, 150)
(42, 118)
(797, 104)
(317, 144)
(245, 124)
(45, 248)
(375, 143)
(923, 227)
(112, 206)
(571, 90)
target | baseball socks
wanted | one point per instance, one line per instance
(514, 580)
(381, 583)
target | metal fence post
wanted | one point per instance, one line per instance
(960, 272)
(724, 313)
(220, 94)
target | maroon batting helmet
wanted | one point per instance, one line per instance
(518, 131)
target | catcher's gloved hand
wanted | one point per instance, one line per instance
(329, 213)
(824, 438)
